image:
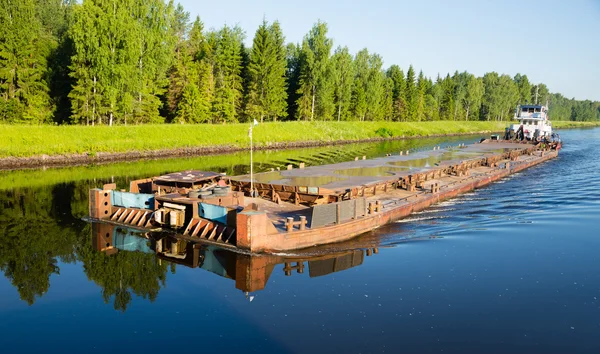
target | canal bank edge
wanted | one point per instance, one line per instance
(86, 158)
(15, 163)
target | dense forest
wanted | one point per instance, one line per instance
(146, 61)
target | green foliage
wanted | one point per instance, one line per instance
(343, 76)
(315, 85)
(30, 220)
(524, 88)
(411, 95)
(143, 61)
(384, 132)
(122, 53)
(267, 93)
(228, 81)
(398, 92)
(25, 46)
(120, 275)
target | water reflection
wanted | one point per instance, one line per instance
(250, 273)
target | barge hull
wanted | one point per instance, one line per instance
(345, 231)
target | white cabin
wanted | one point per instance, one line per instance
(534, 119)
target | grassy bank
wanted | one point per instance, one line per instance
(26, 141)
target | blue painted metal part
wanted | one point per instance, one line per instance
(213, 212)
(132, 200)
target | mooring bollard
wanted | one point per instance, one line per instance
(401, 153)
(289, 167)
(356, 158)
(371, 208)
(364, 157)
(290, 224)
(378, 206)
(407, 152)
(302, 222)
(301, 165)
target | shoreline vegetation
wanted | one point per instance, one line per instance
(26, 146)
(93, 62)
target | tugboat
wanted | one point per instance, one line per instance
(533, 122)
(533, 126)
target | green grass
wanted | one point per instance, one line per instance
(26, 141)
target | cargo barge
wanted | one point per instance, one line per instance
(301, 207)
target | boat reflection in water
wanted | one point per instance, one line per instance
(250, 272)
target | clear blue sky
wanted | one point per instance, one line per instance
(554, 42)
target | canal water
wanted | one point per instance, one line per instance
(513, 267)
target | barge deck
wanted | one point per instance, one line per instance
(303, 207)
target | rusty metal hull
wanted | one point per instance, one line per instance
(345, 231)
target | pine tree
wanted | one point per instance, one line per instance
(388, 99)
(190, 108)
(292, 76)
(228, 80)
(267, 92)
(277, 96)
(447, 103)
(399, 98)
(24, 48)
(421, 92)
(411, 95)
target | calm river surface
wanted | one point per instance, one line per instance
(513, 267)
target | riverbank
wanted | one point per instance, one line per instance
(34, 146)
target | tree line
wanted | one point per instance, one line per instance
(145, 61)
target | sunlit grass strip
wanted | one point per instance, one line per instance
(25, 141)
